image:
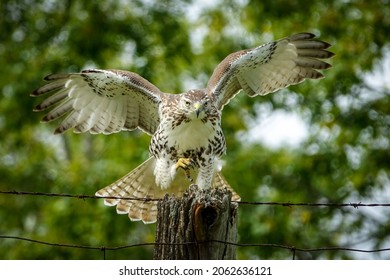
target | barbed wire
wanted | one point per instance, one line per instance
(104, 249)
(270, 203)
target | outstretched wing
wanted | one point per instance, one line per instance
(269, 67)
(101, 101)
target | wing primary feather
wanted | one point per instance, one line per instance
(59, 111)
(59, 76)
(300, 36)
(53, 86)
(312, 62)
(311, 44)
(316, 53)
(51, 100)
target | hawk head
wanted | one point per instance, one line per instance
(195, 104)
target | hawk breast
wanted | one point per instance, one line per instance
(191, 135)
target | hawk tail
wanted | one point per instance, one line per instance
(220, 182)
(136, 194)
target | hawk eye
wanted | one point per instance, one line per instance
(187, 103)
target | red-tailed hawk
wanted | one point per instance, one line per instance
(185, 128)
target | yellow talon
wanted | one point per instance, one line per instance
(185, 163)
(188, 175)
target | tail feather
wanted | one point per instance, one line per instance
(220, 182)
(134, 213)
(149, 212)
(136, 193)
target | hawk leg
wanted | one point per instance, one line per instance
(185, 164)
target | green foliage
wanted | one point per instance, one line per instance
(345, 159)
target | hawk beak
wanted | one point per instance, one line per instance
(198, 107)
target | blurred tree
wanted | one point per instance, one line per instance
(176, 45)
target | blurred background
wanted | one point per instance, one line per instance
(319, 142)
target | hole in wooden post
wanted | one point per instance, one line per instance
(209, 215)
(205, 215)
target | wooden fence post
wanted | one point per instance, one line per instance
(196, 226)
